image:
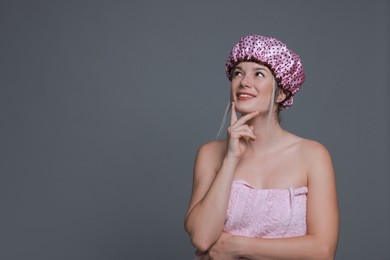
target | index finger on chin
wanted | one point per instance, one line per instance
(248, 117)
(233, 114)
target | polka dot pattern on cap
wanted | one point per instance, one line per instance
(285, 64)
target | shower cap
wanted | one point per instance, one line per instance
(285, 64)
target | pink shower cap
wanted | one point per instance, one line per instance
(285, 64)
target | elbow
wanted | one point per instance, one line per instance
(199, 240)
(201, 243)
(327, 252)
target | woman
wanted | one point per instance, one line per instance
(263, 193)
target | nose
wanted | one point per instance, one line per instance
(246, 82)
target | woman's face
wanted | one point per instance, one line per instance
(252, 86)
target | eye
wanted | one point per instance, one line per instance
(259, 74)
(236, 73)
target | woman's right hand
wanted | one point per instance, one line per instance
(239, 134)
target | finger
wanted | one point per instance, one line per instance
(244, 135)
(246, 118)
(241, 131)
(237, 128)
(251, 134)
(247, 136)
(233, 114)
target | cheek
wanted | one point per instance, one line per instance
(266, 88)
(233, 87)
(234, 83)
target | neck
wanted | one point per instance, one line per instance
(268, 133)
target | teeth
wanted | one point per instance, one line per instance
(245, 95)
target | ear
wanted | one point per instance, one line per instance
(281, 95)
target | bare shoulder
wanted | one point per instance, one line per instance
(213, 146)
(315, 156)
(211, 153)
(306, 147)
(311, 154)
(313, 150)
(311, 147)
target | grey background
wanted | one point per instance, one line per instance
(103, 105)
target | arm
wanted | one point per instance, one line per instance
(211, 190)
(214, 169)
(322, 220)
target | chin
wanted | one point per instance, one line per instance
(245, 109)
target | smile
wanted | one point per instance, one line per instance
(245, 96)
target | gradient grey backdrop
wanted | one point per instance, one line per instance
(103, 105)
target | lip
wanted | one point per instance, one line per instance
(245, 96)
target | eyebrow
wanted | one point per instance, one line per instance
(255, 69)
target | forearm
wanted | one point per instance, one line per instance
(206, 219)
(304, 247)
